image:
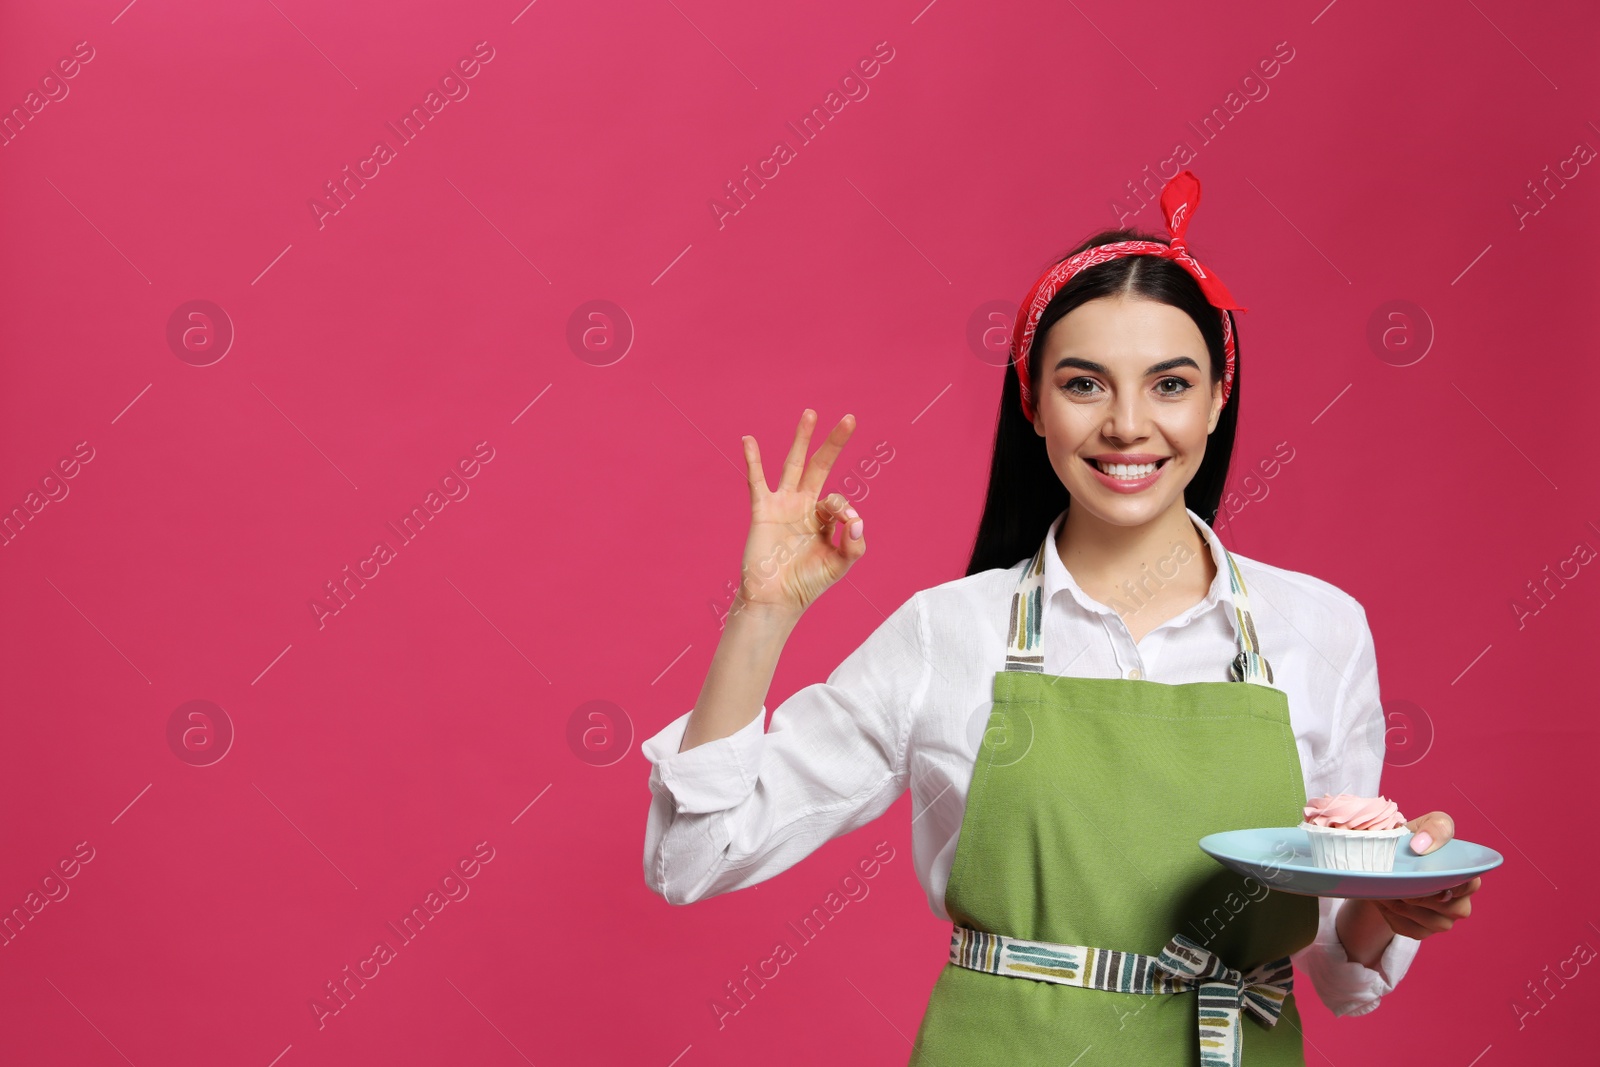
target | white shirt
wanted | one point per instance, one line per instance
(908, 707)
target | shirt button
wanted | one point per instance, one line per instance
(1135, 673)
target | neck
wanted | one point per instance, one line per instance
(1164, 559)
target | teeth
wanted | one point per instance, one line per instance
(1127, 470)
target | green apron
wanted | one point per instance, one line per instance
(1088, 798)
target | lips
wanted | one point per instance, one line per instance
(1126, 466)
(1122, 476)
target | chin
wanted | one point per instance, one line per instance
(1123, 511)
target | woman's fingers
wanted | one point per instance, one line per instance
(796, 460)
(1455, 892)
(1431, 832)
(839, 514)
(836, 512)
(1421, 916)
(800, 474)
(1401, 924)
(817, 469)
(752, 464)
(1435, 919)
(853, 542)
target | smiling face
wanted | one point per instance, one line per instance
(1126, 402)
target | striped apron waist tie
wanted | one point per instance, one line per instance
(1181, 965)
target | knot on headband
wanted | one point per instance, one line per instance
(1179, 199)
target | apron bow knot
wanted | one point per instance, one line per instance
(1224, 992)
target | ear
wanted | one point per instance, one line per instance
(1216, 408)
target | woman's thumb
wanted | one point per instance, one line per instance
(1430, 832)
(837, 513)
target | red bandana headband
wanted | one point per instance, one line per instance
(1178, 202)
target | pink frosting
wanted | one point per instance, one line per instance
(1350, 812)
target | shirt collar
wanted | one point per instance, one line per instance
(1057, 579)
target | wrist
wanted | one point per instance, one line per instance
(1363, 932)
(762, 614)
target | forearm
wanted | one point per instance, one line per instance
(740, 674)
(1363, 932)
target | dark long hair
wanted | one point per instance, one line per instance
(1025, 494)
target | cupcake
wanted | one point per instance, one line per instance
(1351, 833)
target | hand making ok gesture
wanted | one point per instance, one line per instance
(791, 555)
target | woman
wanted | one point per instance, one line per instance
(1069, 716)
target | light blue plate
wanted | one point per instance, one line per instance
(1280, 858)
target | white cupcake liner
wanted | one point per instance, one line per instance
(1354, 850)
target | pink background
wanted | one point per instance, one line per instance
(442, 706)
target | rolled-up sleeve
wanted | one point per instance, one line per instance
(1354, 765)
(709, 777)
(732, 812)
(1347, 987)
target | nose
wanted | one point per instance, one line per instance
(1127, 417)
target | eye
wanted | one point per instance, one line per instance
(1182, 386)
(1071, 386)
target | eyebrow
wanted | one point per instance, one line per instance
(1100, 368)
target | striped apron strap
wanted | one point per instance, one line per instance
(1023, 649)
(1249, 665)
(1181, 965)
